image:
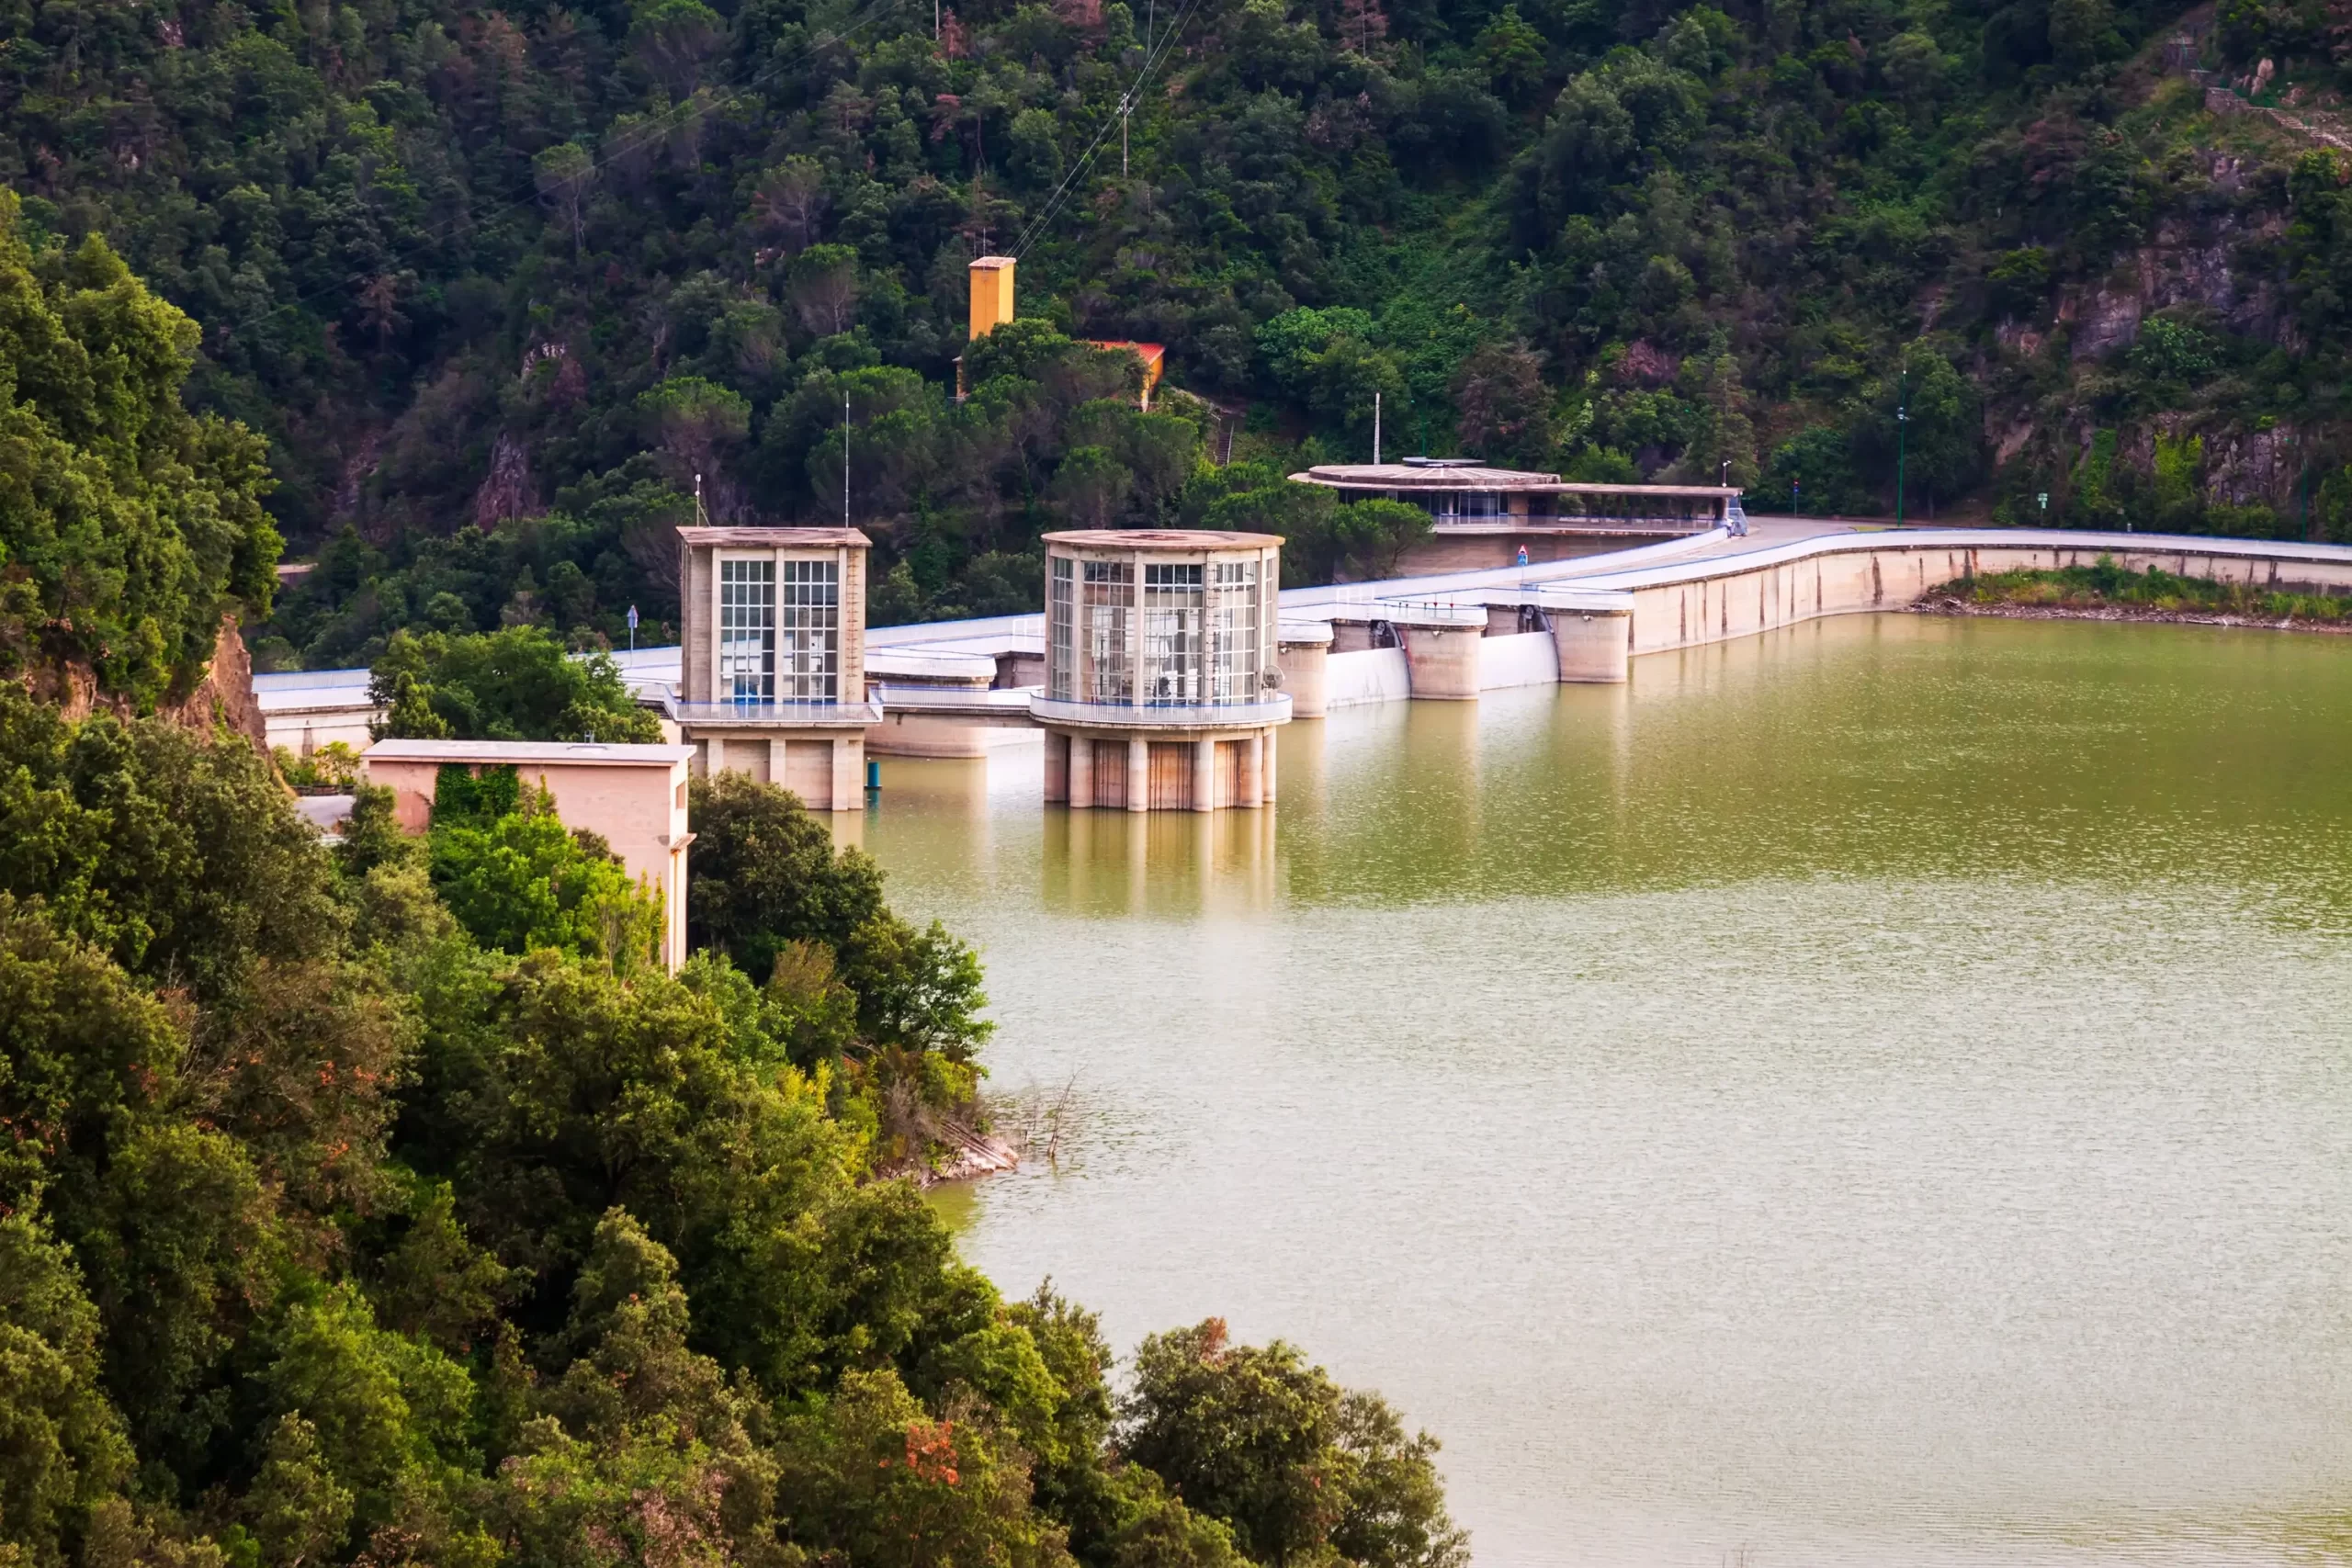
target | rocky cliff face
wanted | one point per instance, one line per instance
(223, 698)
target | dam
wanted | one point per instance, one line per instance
(951, 689)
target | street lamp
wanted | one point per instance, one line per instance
(1902, 423)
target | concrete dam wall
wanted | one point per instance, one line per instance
(1718, 597)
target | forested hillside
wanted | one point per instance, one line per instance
(497, 282)
(388, 1205)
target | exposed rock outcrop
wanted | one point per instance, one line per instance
(223, 697)
(507, 490)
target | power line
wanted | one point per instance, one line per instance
(651, 132)
(1152, 58)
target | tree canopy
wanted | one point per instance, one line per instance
(381, 1204)
(496, 289)
(128, 526)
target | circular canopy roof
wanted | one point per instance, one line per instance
(1163, 539)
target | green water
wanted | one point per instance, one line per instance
(1878, 1093)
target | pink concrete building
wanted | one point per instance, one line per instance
(633, 797)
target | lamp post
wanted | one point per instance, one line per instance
(1796, 497)
(1902, 425)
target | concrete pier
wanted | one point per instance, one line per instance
(1302, 653)
(1592, 632)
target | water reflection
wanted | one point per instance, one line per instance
(1872, 1094)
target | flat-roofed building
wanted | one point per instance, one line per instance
(1482, 517)
(772, 659)
(633, 797)
(1163, 683)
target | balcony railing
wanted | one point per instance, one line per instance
(780, 714)
(1196, 715)
(1505, 522)
(953, 699)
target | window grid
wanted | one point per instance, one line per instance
(1109, 601)
(1234, 632)
(1171, 635)
(1061, 652)
(747, 631)
(810, 616)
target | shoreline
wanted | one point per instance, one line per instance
(1951, 605)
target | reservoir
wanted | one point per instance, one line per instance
(1874, 1093)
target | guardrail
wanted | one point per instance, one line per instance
(1426, 613)
(1202, 716)
(953, 699)
(815, 714)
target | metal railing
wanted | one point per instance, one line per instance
(953, 699)
(777, 712)
(1199, 716)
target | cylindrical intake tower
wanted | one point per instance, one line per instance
(1162, 686)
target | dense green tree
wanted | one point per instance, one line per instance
(128, 527)
(381, 1244)
(513, 685)
(172, 852)
(62, 1451)
(766, 874)
(1295, 1465)
(518, 880)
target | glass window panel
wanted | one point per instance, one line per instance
(1172, 603)
(747, 631)
(1061, 631)
(1106, 676)
(810, 631)
(1234, 636)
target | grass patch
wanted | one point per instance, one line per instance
(2107, 585)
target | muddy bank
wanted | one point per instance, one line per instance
(1951, 605)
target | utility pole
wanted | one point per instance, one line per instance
(1375, 432)
(1126, 108)
(1902, 426)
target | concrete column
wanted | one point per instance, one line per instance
(716, 746)
(849, 761)
(1305, 667)
(1443, 661)
(1266, 768)
(1593, 641)
(1204, 774)
(1081, 773)
(1138, 776)
(674, 938)
(780, 772)
(1057, 748)
(1253, 769)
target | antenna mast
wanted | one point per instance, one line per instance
(702, 518)
(845, 460)
(1375, 430)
